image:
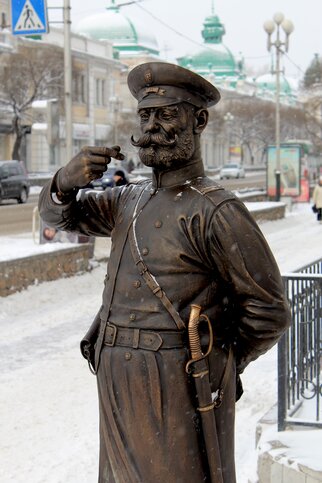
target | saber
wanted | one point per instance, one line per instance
(198, 367)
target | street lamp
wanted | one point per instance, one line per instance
(269, 27)
(228, 118)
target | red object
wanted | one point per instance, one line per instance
(305, 191)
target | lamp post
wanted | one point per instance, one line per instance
(228, 118)
(116, 108)
(68, 80)
(269, 27)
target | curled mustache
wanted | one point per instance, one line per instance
(147, 139)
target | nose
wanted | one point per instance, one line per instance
(152, 124)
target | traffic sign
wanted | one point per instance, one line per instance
(29, 17)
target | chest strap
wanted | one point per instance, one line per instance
(151, 281)
(102, 326)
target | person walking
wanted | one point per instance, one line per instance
(184, 251)
(317, 199)
(119, 178)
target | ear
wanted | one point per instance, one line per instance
(201, 120)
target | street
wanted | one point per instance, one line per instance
(17, 218)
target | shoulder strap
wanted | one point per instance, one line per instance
(151, 281)
(214, 192)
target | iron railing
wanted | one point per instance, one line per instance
(300, 351)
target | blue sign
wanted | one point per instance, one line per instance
(29, 17)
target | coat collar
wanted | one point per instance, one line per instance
(176, 177)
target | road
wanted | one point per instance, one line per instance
(17, 218)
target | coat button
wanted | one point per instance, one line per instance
(158, 224)
(127, 356)
(132, 316)
(145, 251)
(137, 284)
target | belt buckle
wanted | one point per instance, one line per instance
(112, 326)
(141, 267)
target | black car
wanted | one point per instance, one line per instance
(14, 181)
(107, 180)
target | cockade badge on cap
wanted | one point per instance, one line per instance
(148, 76)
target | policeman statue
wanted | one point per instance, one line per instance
(184, 250)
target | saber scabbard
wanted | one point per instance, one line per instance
(197, 366)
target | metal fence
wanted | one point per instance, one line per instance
(300, 351)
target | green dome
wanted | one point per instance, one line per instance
(214, 57)
(128, 37)
(218, 60)
(266, 86)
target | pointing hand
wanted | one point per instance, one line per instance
(90, 163)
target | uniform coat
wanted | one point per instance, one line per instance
(203, 246)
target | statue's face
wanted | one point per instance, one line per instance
(167, 136)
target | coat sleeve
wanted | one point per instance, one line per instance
(256, 291)
(89, 213)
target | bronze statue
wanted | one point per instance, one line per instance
(184, 252)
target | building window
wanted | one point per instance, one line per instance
(82, 89)
(103, 92)
(79, 88)
(100, 94)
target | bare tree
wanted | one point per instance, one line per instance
(32, 73)
(293, 123)
(253, 124)
(313, 122)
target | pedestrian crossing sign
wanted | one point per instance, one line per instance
(29, 17)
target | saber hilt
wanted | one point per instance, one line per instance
(194, 338)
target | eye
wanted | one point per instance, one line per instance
(167, 115)
(144, 116)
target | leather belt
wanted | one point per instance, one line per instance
(142, 338)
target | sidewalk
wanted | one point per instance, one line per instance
(102, 249)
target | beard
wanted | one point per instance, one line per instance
(159, 152)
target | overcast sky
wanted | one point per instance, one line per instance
(243, 21)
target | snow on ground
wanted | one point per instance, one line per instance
(48, 402)
(20, 246)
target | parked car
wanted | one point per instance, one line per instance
(14, 181)
(107, 180)
(232, 170)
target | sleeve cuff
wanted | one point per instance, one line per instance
(62, 199)
(57, 196)
(55, 199)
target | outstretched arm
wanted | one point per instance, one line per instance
(92, 213)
